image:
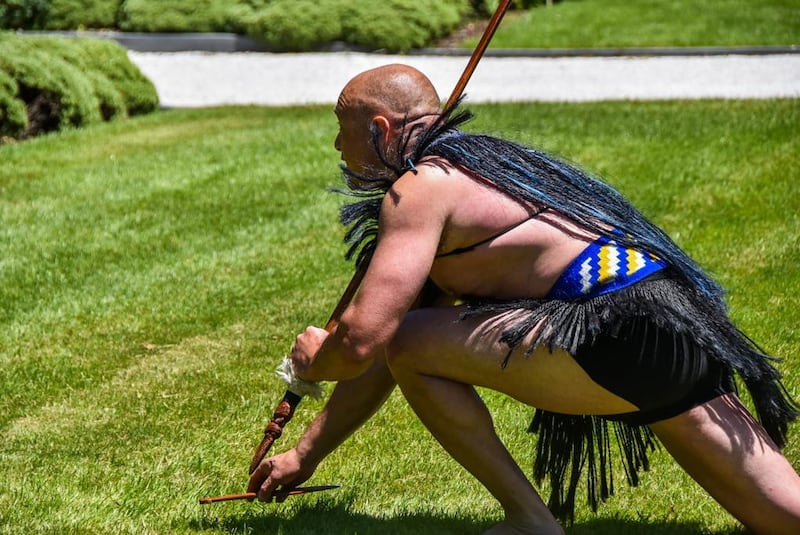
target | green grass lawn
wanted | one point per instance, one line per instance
(651, 23)
(154, 271)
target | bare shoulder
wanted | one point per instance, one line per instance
(423, 190)
(431, 173)
(432, 183)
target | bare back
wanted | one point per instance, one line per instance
(524, 261)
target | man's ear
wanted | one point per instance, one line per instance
(384, 126)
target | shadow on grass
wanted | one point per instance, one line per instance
(326, 519)
(619, 526)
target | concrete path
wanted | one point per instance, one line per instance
(193, 79)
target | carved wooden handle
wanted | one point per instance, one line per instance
(283, 413)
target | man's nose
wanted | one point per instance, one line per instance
(337, 143)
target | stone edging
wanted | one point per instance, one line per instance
(229, 42)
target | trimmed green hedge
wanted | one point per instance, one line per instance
(395, 25)
(111, 59)
(177, 15)
(401, 24)
(303, 24)
(295, 24)
(78, 14)
(58, 14)
(24, 14)
(59, 82)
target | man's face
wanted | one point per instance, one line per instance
(354, 140)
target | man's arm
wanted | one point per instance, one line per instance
(354, 354)
(411, 227)
(351, 404)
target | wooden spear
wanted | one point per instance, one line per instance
(292, 398)
(298, 388)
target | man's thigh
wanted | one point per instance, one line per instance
(437, 342)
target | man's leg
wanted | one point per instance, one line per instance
(467, 433)
(730, 455)
(435, 359)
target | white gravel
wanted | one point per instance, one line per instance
(194, 79)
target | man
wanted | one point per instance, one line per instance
(575, 305)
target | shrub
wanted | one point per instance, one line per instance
(58, 14)
(66, 82)
(396, 25)
(72, 14)
(241, 14)
(111, 59)
(400, 24)
(57, 95)
(23, 14)
(176, 15)
(13, 118)
(297, 24)
(110, 101)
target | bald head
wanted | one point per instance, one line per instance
(377, 110)
(392, 90)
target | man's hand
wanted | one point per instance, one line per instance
(305, 349)
(284, 470)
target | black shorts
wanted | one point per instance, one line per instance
(662, 372)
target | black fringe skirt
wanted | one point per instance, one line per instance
(699, 330)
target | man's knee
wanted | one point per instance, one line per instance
(405, 348)
(398, 350)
